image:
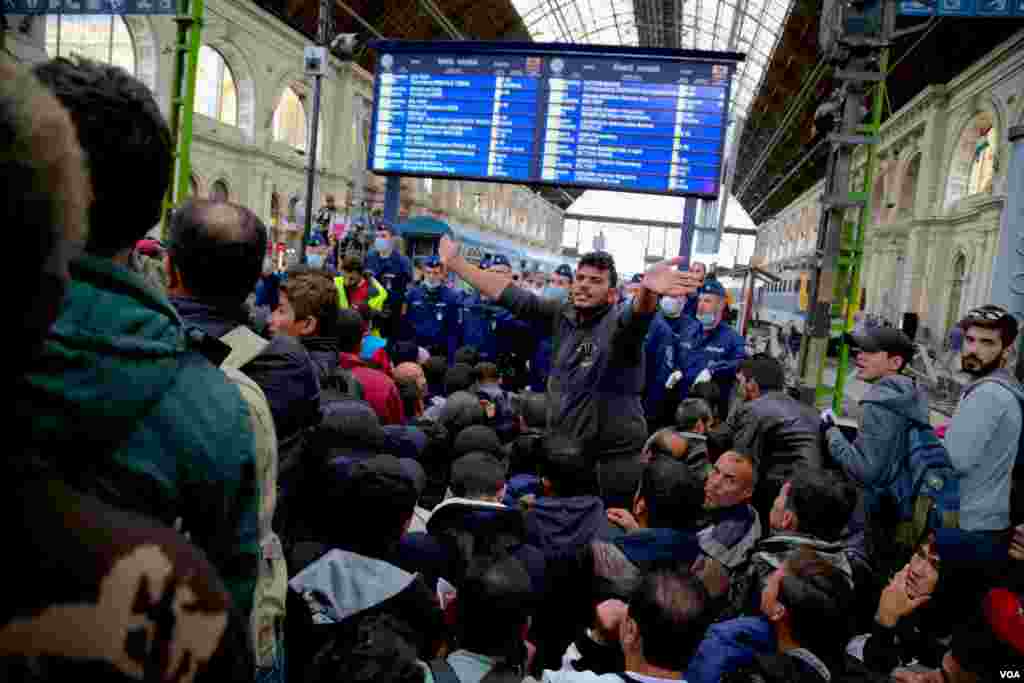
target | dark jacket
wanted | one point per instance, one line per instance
(284, 370)
(326, 356)
(661, 348)
(769, 553)
(597, 376)
(729, 646)
(559, 525)
(778, 431)
(131, 413)
(647, 548)
(335, 593)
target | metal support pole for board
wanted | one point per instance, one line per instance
(322, 39)
(856, 254)
(183, 96)
(1008, 274)
(686, 234)
(392, 196)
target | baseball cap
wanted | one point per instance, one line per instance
(485, 262)
(477, 472)
(431, 262)
(500, 260)
(639, 277)
(888, 339)
(564, 270)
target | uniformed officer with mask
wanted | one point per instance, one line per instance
(710, 350)
(434, 312)
(482, 317)
(663, 358)
(393, 270)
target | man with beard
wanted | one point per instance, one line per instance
(983, 436)
(597, 376)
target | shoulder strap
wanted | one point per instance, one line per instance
(443, 671)
(245, 345)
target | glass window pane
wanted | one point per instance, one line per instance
(216, 95)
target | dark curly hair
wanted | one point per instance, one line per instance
(127, 143)
(601, 260)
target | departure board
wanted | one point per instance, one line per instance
(592, 117)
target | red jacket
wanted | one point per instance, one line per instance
(379, 389)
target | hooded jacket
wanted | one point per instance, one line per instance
(325, 354)
(559, 525)
(769, 554)
(882, 437)
(334, 593)
(132, 414)
(983, 439)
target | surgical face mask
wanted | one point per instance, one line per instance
(556, 293)
(671, 306)
(382, 245)
(315, 260)
(707, 319)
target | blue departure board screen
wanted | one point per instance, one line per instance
(591, 117)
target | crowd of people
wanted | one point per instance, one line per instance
(228, 475)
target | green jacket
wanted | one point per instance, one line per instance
(129, 411)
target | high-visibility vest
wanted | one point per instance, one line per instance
(377, 296)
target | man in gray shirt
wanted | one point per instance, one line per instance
(597, 375)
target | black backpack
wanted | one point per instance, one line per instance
(380, 647)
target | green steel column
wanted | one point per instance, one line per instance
(188, 103)
(857, 255)
(183, 89)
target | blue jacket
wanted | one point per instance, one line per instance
(481, 325)
(540, 364)
(436, 319)
(661, 353)
(719, 351)
(394, 272)
(729, 645)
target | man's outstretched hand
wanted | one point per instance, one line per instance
(666, 279)
(447, 250)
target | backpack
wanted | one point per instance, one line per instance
(272, 579)
(924, 491)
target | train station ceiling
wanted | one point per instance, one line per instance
(775, 91)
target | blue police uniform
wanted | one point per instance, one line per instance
(543, 355)
(435, 318)
(480, 323)
(718, 351)
(663, 357)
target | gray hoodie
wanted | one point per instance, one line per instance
(882, 436)
(982, 441)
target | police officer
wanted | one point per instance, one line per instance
(481, 319)
(514, 341)
(540, 365)
(710, 350)
(663, 358)
(393, 270)
(434, 312)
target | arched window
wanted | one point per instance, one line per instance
(908, 192)
(102, 39)
(216, 95)
(973, 161)
(219, 192)
(982, 165)
(290, 120)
